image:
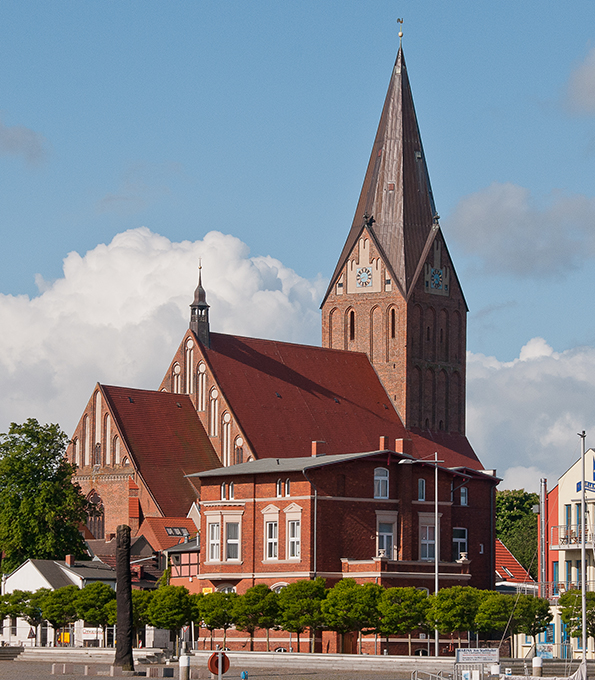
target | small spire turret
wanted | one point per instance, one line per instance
(199, 312)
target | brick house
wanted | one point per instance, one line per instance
(366, 516)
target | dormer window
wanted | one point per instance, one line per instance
(380, 483)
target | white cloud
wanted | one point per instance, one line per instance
(21, 141)
(118, 313)
(581, 86)
(505, 228)
(523, 416)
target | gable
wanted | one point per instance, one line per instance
(166, 440)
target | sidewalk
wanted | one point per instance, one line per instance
(29, 670)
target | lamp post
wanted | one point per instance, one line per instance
(583, 435)
(411, 461)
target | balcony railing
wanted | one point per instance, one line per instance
(553, 589)
(569, 537)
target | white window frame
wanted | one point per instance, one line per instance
(270, 516)
(232, 544)
(427, 536)
(214, 532)
(464, 496)
(293, 532)
(462, 543)
(381, 483)
(272, 539)
(222, 518)
(294, 538)
(390, 518)
(421, 489)
(287, 488)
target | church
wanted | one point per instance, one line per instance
(240, 427)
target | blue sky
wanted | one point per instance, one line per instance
(256, 120)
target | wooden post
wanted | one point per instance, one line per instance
(124, 600)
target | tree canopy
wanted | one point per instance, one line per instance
(300, 606)
(516, 525)
(40, 508)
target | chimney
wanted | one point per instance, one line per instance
(404, 446)
(69, 560)
(383, 446)
(317, 449)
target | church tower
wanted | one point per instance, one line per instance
(199, 313)
(394, 293)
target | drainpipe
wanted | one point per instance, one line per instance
(315, 538)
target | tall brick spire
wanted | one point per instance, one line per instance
(396, 201)
(394, 293)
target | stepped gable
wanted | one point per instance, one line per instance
(167, 441)
(396, 191)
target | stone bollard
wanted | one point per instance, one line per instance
(184, 662)
(90, 670)
(537, 666)
(115, 671)
(61, 668)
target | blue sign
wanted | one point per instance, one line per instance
(589, 486)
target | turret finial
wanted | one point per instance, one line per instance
(199, 311)
(400, 21)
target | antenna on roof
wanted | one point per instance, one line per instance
(400, 21)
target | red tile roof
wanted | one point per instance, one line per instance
(508, 568)
(285, 396)
(154, 529)
(167, 441)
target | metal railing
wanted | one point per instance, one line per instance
(569, 537)
(425, 675)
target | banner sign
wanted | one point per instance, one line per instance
(481, 655)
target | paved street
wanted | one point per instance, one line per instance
(26, 670)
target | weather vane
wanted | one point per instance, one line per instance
(400, 21)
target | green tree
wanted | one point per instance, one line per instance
(403, 610)
(495, 614)
(454, 609)
(571, 612)
(59, 608)
(256, 608)
(170, 608)
(40, 508)
(218, 613)
(91, 605)
(300, 607)
(516, 525)
(351, 607)
(533, 615)
(25, 604)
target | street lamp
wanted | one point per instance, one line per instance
(411, 461)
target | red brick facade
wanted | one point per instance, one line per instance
(341, 523)
(417, 346)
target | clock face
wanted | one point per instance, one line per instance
(364, 276)
(436, 279)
